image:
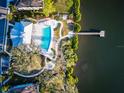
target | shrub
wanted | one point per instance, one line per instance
(77, 27)
(71, 16)
(5, 88)
(12, 8)
(75, 42)
(48, 7)
(70, 70)
(77, 14)
(69, 54)
(63, 6)
(78, 17)
(69, 4)
(72, 80)
(76, 4)
(9, 16)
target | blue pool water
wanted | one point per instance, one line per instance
(46, 38)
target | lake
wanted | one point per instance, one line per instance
(100, 67)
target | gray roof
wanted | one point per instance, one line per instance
(29, 3)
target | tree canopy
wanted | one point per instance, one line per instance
(63, 5)
(48, 7)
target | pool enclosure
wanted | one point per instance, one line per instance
(21, 33)
(27, 33)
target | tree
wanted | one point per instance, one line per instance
(69, 4)
(74, 41)
(69, 54)
(48, 7)
(63, 6)
(77, 14)
(9, 16)
(25, 61)
(78, 17)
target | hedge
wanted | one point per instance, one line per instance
(77, 27)
(75, 42)
(77, 18)
(77, 14)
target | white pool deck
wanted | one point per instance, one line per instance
(27, 34)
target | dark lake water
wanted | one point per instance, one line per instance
(101, 60)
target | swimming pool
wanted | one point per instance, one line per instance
(46, 38)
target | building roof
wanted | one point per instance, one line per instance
(29, 4)
(25, 88)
